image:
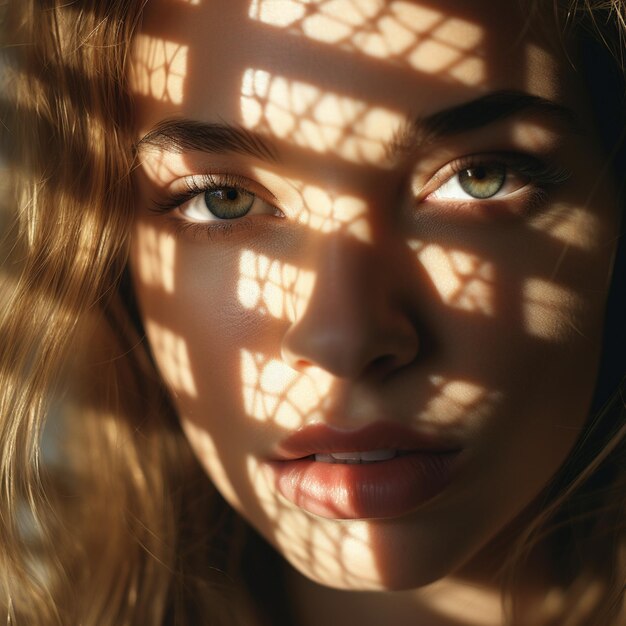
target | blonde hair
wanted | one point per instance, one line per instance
(117, 524)
(126, 467)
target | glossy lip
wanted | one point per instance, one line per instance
(384, 489)
(322, 439)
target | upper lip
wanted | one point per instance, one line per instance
(323, 439)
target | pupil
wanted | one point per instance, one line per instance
(479, 173)
(231, 194)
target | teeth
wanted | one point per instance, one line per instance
(378, 455)
(324, 458)
(351, 458)
(346, 456)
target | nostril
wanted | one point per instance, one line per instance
(349, 330)
(301, 364)
(383, 365)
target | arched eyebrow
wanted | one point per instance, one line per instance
(184, 135)
(489, 109)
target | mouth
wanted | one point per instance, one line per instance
(383, 471)
(356, 458)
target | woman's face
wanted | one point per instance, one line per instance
(380, 230)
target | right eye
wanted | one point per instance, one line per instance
(210, 198)
(220, 203)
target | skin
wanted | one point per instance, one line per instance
(356, 291)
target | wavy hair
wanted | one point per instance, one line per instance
(116, 523)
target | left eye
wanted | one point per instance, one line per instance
(480, 182)
(223, 203)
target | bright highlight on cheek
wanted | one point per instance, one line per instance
(550, 310)
(400, 32)
(573, 226)
(321, 121)
(272, 287)
(273, 391)
(463, 280)
(173, 359)
(455, 402)
(159, 69)
(155, 254)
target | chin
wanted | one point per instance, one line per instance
(372, 582)
(354, 573)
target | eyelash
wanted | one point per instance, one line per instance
(541, 175)
(201, 184)
(207, 182)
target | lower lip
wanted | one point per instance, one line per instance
(367, 490)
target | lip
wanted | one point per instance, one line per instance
(384, 489)
(322, 439)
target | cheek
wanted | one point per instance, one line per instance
(517, 347)
(189, 307)
(201, 328)
(215, 313)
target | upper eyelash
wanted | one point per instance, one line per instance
(539, 172)
(197, 185)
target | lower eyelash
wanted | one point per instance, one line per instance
(529, 202)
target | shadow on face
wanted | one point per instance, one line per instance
(318, 242)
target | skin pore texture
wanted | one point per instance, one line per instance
(365, 285)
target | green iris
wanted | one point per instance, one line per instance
(483, 181)
(228, 203)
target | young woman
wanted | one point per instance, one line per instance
(320, 305)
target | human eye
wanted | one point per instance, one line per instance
(479, 179)
(213, 201)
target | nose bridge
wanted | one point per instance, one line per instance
(338, 299)
(350, 321)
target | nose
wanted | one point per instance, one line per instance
(354, 323)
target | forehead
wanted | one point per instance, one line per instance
(311, 69)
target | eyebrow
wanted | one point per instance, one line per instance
(181, 135)
(479, 113)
